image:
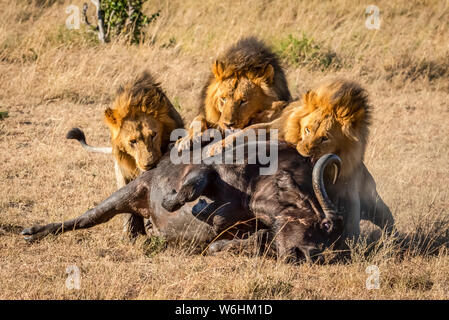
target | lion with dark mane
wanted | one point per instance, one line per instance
(245, 81)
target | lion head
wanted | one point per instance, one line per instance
(334, 118)
(245, 80)
(140, 123)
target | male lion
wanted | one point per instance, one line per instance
(334, 118)
(245, 81)
(140, 124)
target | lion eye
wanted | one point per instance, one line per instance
(132, 142)
(223, 100)
(324, 139)
(243, 101)
(307, 130)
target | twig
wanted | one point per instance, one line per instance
(129, 20)
(86, 21)
(100, 18)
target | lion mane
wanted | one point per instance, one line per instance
(141, 97)
(335, 118)
(337, 110)
(251, 59)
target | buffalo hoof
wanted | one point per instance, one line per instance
(38, 232)
(217, 246)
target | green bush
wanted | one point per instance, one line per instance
(3, 115)
(125, 17)
(154, 245)
(305, 51)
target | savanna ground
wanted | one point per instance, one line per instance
(53, 79)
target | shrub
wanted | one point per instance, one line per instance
(153, 245)
(305, 51)
(3, 115)
(125, 17)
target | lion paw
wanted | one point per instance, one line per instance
(187, 141)
(214, 149)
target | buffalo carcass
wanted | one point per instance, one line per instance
(220, 204)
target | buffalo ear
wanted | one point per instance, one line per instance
(290, 191)
(218, 69)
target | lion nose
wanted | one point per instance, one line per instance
(229, 125)
(148, 166)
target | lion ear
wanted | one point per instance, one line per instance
(350, 124)
(111, 120)
(109, 117)
(308, 97)
(348, 130)
(268, 74)
(218, 69)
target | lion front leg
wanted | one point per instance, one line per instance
(352, 218)
(195, 133)
(228, 142)
(373, 208)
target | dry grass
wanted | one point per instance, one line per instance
(53, 79)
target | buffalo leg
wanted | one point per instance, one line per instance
(131, 198)
(133, 225)
(259, 241)
(87, 220)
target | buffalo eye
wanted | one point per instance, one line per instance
(326, 226)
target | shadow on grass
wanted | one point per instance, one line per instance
(6, 228)
(429, 237)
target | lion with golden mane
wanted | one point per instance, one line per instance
(245, 81)
(333, 118)
(140, 123)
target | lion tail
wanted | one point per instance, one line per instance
(78, 134)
